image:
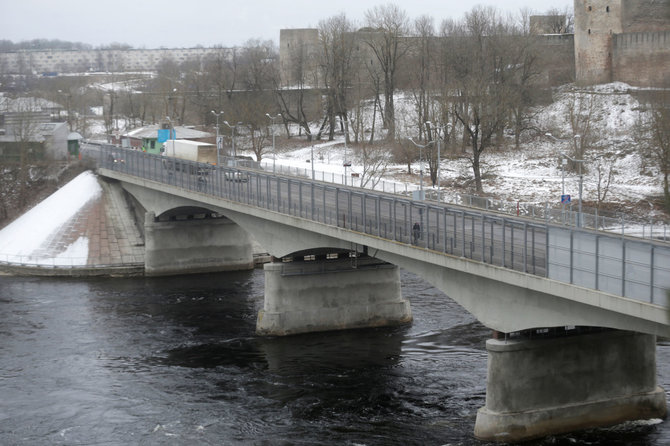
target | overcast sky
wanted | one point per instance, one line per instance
(170, 24)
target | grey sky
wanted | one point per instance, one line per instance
(154, 24)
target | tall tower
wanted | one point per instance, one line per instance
(596, 21)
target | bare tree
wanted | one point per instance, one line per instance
(291, 93)
(336, 40)
(422, 61)
(389, 27)
(581, 109)
(375, 160)
(604, 176)
(653, 133)
(482, 79)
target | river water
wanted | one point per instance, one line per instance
(165, 361)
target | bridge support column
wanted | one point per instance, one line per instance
(311, 301)
(188, 246)
(543, 387)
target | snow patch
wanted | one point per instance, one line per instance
(33, 230)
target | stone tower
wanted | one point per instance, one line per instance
(596, 22)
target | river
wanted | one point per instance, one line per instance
(165, 361)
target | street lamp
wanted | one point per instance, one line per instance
(421, 147)
(233, 127)
(218, 138)
(274, 152)
(437, 136)
(346, 162)
(581, 177)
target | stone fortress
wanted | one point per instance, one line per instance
(613, 40)
(622, 40)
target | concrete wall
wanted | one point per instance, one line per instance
(195, 246)
(335, 299)
(543, 387)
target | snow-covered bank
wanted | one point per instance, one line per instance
(25, 240)
(532, 173)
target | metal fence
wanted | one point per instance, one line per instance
(490, 237)
(565, 215)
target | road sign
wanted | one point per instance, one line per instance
(565, 199)
(219, 142)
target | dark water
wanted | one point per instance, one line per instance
(175, 361)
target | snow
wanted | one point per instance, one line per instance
(532, 174)
(21, 240)
(529, 176)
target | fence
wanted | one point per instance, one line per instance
(484, 236)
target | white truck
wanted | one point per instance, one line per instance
(182, 149)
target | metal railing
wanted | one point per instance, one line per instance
(517, 243)
(553, 213)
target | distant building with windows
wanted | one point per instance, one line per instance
(27, 129)
(52, 62)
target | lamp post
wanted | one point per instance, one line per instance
(581, 176)
(421, 147)
(218, 138)
(274, 152)
(346, 162)
(437, 136)
(233, 127)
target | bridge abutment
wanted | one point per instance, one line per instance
(540, 387)
(195, 245)
(324, 296)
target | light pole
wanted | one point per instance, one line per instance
(437, 136)
(581, 177)
(233, 127)
(274, 152)
(346, 163)
(421, 147)
(218, 138)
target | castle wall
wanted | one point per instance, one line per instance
(622, 40)
(298, 56)
(556, 59)
(642, 59)
(646, 15)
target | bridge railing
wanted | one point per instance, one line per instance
(613, 263)
(566, 215)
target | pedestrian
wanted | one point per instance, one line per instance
(416, 232)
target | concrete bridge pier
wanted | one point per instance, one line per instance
(540, 387)
(189, 245)
(330, 295)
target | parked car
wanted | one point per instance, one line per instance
(236, 175)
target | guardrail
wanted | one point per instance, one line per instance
(562, 215)
(490, 237)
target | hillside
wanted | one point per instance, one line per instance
(532, 174)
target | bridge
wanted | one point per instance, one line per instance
(575, 313)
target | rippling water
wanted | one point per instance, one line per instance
(176, 361)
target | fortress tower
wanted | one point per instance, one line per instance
(622, 40)
(596, 22)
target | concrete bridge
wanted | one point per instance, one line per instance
(575, 313)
